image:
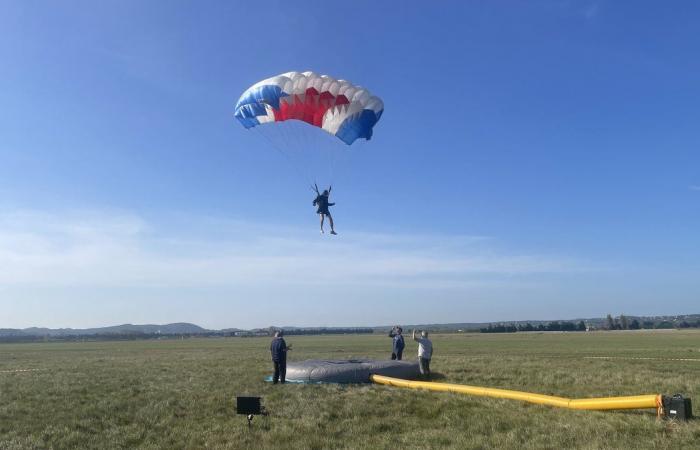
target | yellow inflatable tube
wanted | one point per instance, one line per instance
(606, 403)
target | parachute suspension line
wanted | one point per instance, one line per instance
(317, 152)
(297, 136)
(305, 144)
(300, 136)
(353, 157)
(300, 144)
(337, 159)
(293, 136)
(340, 160)
(274, 145)
(303, 136)
(329, 161)
(324, 152)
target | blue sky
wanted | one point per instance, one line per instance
(536, 160)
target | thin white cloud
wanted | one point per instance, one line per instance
(117, 249)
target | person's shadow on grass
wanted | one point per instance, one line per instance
(434, 376)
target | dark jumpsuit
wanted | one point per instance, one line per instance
(278, 349)
(398, 345)
(322, 202)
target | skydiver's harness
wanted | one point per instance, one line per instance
(318, 197)
(315, 189)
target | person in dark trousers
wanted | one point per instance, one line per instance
(279, 349)
(398, 344)
(321, 201)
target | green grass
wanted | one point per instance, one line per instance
(180, 394)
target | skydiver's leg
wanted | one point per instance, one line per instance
(321, 217)
(330, 219)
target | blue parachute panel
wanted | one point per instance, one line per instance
(358, 126)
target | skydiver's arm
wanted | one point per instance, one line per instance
(331, 204)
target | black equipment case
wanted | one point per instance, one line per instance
(677, 407)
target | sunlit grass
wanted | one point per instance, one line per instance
(180, 394)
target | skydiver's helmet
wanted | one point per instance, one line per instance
(325, 193)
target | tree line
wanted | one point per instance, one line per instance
(624, 323)
(609, 323)
(551, 326)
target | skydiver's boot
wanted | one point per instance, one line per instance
(333, 232)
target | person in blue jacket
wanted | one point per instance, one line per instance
(279, 349)
(398, 343)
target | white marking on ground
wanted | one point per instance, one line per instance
(20, 370)
(642, 358)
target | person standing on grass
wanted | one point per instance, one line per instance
(279, 349)
(425, 353)
(397, 344)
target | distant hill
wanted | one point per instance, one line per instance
(168, 329)
(130, 331)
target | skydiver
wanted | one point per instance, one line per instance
(321, 201)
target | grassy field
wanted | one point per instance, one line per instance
(180, 394)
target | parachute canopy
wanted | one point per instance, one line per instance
(338, 107)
